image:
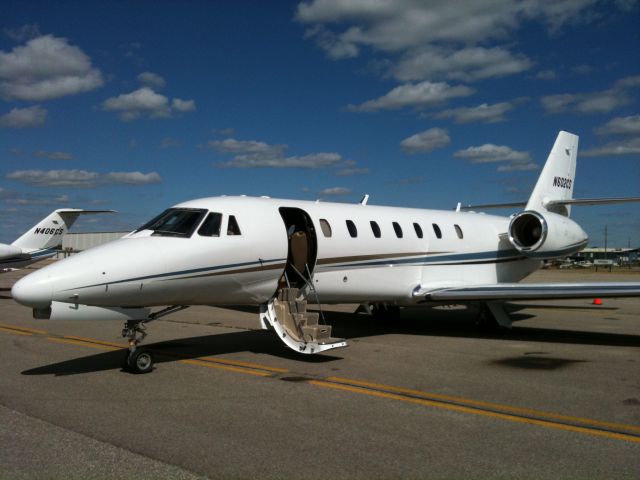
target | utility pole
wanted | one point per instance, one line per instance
(605, 242)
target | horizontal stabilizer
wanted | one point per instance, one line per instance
(551, 203)
(79, 211)
(592, 201)
(530, 291)
(487, 206)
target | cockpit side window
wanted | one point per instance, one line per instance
(175, 222)
(232, 227)
(211, 225)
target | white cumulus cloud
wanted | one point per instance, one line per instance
(145, 102)
(255, 154)
(466, 64)
(335, 191)
(481, 113)
(603, 101)
(150, 79)
(509, 159)
(81, 178)
(231, 145)
(183, 105)
(132, 178)
(44, 68)
(419, 95)
(629, 146)
(621, 126)
(429, 40)
(24, 117)
(426, 141)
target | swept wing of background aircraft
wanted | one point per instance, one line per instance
(278, 253)
(42, 240)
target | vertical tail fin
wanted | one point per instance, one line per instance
(48, 232)
(557, 177)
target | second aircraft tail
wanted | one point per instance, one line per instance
(48, 232)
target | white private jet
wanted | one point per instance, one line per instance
(42, 240)
(278, 253)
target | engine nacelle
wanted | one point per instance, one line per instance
(73, 311)
(546, 236)
(8, 251)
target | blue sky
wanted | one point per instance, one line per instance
(135, 106)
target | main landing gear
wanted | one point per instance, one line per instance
(140, 360)
(492, 317)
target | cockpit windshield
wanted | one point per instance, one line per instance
(175, 222)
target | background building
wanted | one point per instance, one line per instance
(621, 256)
(77, 242)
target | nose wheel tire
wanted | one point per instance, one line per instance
(139, 361)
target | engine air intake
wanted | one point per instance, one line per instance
(527, 231)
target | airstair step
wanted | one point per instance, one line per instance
(299, 319)
(311, 318)
(317, 332)
(298, 306)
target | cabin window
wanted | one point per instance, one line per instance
(398, 229)
(436, 230)
(232, 226)
(375, 229)
(326, 228)
(353, 231)
(459, 231)
(418, 230)
(211, 225)
(175, 222)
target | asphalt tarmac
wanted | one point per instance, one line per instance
(427, 395)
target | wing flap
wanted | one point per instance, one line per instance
(530, 291)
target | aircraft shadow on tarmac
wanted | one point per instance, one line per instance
(443, 322)
(420, 321)
(255, 341)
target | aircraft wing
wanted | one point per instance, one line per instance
(528, 291)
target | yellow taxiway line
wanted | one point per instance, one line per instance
(79, 343)
(476, 411)
(406, 395)
(23, 329)
(485, 405)
(15, 331)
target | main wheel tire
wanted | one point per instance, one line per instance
(486, 323)
(384, 312)
(140, 361)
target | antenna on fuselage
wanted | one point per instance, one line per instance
(365, 199)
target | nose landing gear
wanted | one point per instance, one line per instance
(138, 360)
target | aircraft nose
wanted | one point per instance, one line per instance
(34, 290)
